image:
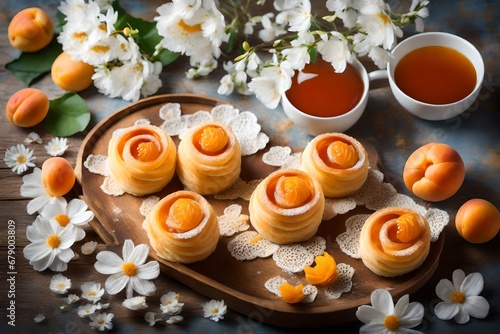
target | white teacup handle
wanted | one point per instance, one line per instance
(376, 75)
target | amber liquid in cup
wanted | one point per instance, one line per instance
(435, 75)
(328, 94)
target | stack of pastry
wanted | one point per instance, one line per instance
(141, 159)
(183, 227)
(287, 206)
(394, 241)
(339, 162)
(209, 158)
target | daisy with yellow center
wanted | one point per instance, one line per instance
(130, 272)
(385, 317)
(60, 284)
(50, 245)
(92, 291)
(19, 158)
(214, 310)
(460, 298)
(73, 213)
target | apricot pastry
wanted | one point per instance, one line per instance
(394, 241)
(183, 227)
(141, 159)
(287, 206)
(339, 163)
(209, 158)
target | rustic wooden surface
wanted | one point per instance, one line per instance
(393, 132)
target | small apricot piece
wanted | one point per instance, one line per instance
(58, 176)
(184, 215)
(291, 294)
(434, 172)
(30, 30)
(292, 191)
(27, 107)
(70, 74)
(342, 155)
(213, 140)
(477, 221)
(324, 273)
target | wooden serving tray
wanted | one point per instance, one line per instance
(220, 276)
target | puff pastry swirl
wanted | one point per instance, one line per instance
(209, 158)
(183, 227)
(287, 206)
(339, 163)
(141, 159)
(394, 241)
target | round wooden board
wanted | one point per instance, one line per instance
(220, 276)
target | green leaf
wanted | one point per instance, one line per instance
(313, 53)
(67, 115)
(232, 40)
(148, 36)
(30, 67)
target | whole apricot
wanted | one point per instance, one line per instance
(58, 176)
(30, 30)
(434, 172)
(477, 221)
(70, 74)
(27, 107)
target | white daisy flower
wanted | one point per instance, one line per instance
(170, 303)
(135, 303)
(130, 272)
(71, 299)
(298, 56)
(19, 158)
(86, 310)
(461, 298)
(298, 17)
(39, 318)
(60, 284)
(33, 137)
(73, 213)
(215, 310)
(101, 321)
(92, 291)
(57, 146)
(89, 247)
(50, 245)
(385, 317)
(174, 319)
(33, 187)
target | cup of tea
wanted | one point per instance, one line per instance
(322, 101)
(434, 75)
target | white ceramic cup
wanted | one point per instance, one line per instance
(433, 112)
(315, 125)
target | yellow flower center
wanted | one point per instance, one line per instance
(458, 297)
(100, 48)
(80, 36)
(92, 293)
(384, 18)
(62, 219)
(189, 28)
(53, 241)
(21, 159)
(391, 322)
(61, 286)
(215, 310)
(129, 269)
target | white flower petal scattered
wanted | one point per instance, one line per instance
(170, 303)
(101, 321)
(92, 291)
(19, 158)
(385, 317)
(60, 284)
(460, 298)
(39, 318)
(214, 310)
(56, 146)
(89, 247)
(174, 319)
(135, 303)
(71, 299)
(150, 318)
(86, 310)
(130, 272)
(32, 137)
